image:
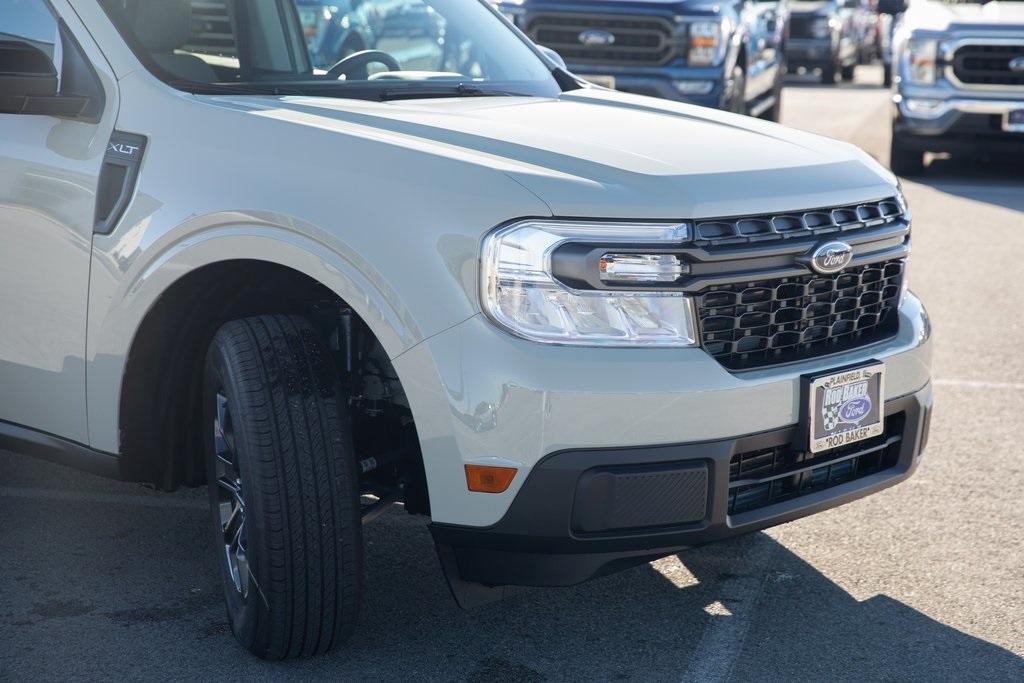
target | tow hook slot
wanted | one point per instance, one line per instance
(117, 179)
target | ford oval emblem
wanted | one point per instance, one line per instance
(1017, 65)
(855, 410)
(831, 257)
(593, 37)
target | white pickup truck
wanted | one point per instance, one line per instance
(958, 83)
(577, 329)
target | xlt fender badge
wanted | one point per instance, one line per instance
(117, 179)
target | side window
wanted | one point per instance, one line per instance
(31, 21)
(27, 24)
(30, 48)
(212, 33)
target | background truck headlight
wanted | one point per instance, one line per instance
(706, 45)
(921, 56)
(520, 294)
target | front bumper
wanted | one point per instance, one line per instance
(663, 82)
(955, 123)
(482, 396)
(551, 535)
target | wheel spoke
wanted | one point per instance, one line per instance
(230, 500)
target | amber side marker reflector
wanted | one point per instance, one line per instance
(486, 479)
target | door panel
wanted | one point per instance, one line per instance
(48, 174)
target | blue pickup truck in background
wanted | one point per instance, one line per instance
(726, 54)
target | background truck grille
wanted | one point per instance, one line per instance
(638, 40)
(988, 64)
(765, 322)
(771, 475)
(800, 26)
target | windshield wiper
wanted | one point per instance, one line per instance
(233, 89)
(428, 91)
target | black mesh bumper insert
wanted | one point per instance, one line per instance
(771, 475)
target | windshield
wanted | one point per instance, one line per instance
(382, 49)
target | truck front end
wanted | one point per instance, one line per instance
(671, 50)
(958, 88)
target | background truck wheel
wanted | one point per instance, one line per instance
(828, 73)
(904, 160)
(774, 112)
(284, 492)
(847, 72)
(886, 75)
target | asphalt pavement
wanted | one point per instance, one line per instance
(924, 581)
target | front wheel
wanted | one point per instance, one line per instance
(828, 73)
(283, 488)
(847, 72)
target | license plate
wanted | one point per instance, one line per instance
(1013, 121)
(603, 81)
(845, 407)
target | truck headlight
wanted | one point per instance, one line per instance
(521, 295)
(921, 57)
(707, 46)
(821, 28)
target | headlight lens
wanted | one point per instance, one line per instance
(706, 44)
(921, 57)
(820, 27)
(521, 295)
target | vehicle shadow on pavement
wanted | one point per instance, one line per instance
(996, 179)
(101, 580)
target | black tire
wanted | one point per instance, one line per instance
(828, 73)
(887, 75)
(903, 160)
(284, 441)
(847, 72)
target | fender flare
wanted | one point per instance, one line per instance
(114, 327)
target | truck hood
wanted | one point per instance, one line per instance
(601, 153)
(940, 16)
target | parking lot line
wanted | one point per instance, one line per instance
(721, 644)
(979, 384)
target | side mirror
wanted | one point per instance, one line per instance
(25, 70)
(893, 7)
(29, 82)
(553, 57)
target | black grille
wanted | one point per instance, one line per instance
(638, 40)
(772, 475)
(988, 64)
(747, 229)
(765, 322)
(800, 26)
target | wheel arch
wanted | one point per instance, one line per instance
(144, 346)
